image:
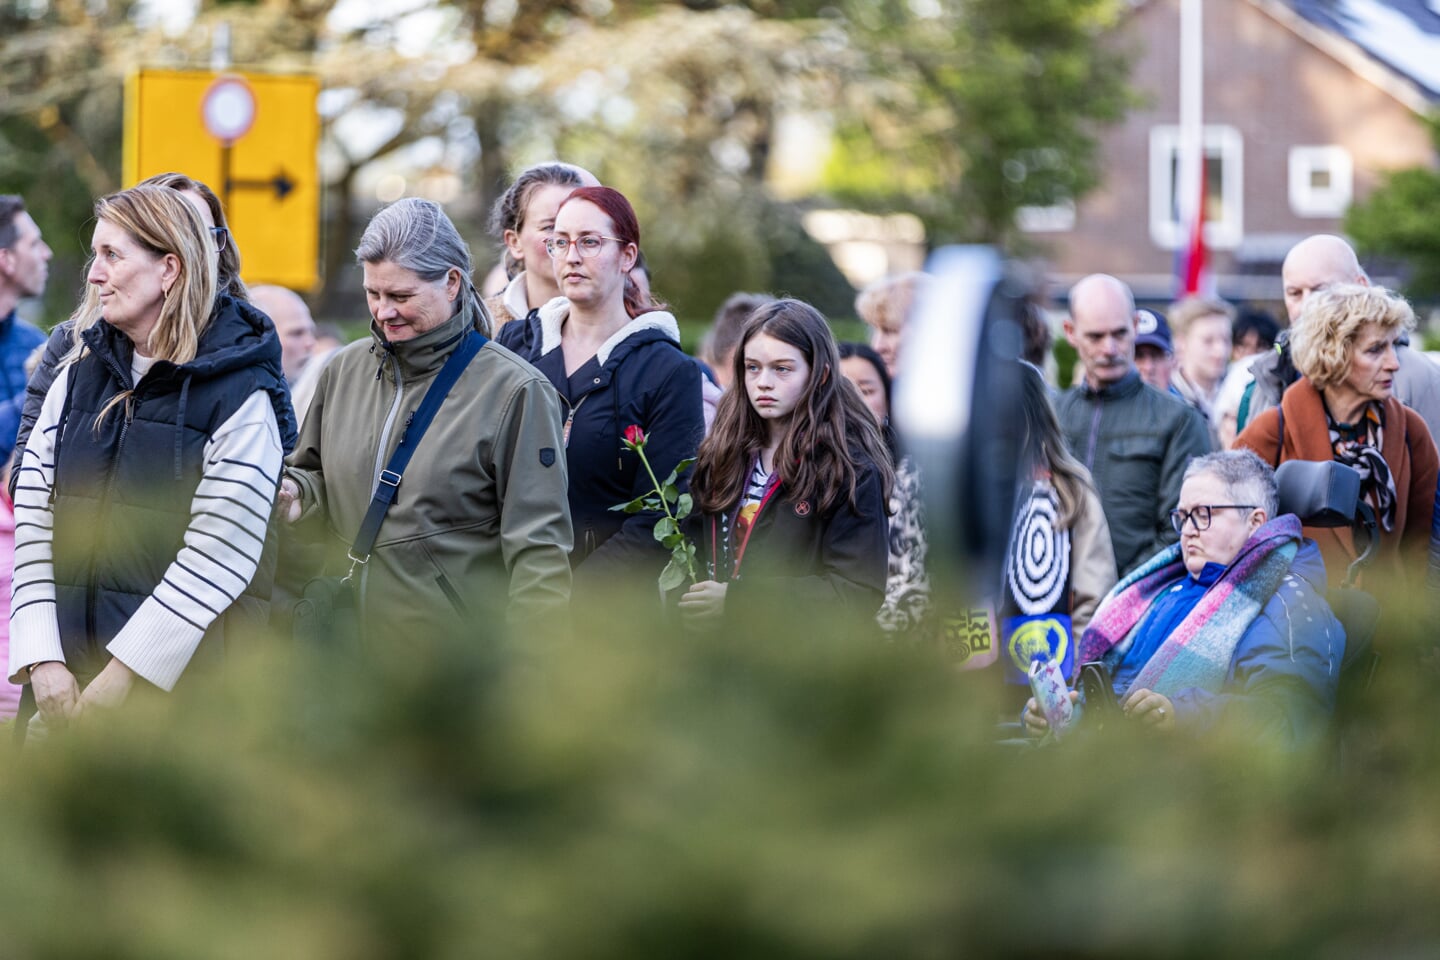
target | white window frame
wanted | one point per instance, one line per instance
(1056, 218)
(1221, 141)
(1306, 200)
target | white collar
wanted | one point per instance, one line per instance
(515, 298)
(554, 314)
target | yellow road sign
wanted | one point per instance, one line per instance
(253, 138)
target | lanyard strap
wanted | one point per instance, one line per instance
(770, 489)
(394, 472)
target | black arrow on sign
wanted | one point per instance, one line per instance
(280, 183)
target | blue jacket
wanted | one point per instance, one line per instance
(18, 340)
(1282, 679)
(639, 377)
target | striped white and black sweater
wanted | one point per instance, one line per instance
(228, 513)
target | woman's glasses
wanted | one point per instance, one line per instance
(1200, 515)
(221, 236)
(589, 245)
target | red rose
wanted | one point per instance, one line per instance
(634, 436)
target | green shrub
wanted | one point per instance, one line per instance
(796, 792)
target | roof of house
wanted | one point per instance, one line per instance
(1403, 35)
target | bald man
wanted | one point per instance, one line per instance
(1135, 440)
(1315, 263)
(296, 329)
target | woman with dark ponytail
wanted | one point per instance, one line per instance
(614, 355)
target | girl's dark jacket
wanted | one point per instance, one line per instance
(806, 561)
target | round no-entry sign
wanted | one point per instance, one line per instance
(228, 109)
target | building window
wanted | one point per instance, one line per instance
(1044, 172)
(1056, 218)
(1224, 188)
(1321, 181)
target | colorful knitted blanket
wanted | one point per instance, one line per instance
(1199, 651)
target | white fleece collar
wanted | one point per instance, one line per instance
(554, 314)
(515, 297)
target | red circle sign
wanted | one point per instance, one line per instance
(228, 109)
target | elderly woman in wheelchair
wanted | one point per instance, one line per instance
(1227, 629)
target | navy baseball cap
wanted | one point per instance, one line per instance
(1152, 330)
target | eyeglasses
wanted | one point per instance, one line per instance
(589, 245)
(1200, 515)
(221, 237)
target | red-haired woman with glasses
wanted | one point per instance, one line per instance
(614, 355)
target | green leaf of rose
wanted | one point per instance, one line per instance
(672, 576)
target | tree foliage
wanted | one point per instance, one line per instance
(971, 109)
(1397, 221)
(959, 110)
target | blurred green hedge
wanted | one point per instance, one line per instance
(798, 792)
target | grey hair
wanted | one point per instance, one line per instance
(1248, 478)
(417, 235)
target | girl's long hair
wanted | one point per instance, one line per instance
(830, 434)
(1043, 447)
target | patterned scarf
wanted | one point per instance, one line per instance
(1199, 651)
(1358, 446)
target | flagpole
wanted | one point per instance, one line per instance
(1190, 171)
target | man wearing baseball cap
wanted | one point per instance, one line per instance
(1154, 349)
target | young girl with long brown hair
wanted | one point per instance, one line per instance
(792, 482)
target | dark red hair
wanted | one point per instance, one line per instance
(627, 229)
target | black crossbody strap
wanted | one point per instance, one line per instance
(394, 471)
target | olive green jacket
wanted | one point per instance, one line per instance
(480, 525)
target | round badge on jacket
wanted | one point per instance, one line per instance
(802, 509)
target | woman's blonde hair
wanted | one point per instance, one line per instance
(886, 303)
(162, 222)
(1185, 312)
(1323, 337)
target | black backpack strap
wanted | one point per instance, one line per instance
(394, 472)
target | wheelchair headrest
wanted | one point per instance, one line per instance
(1321, 494)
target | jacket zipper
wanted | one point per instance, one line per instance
(380, 458)
(447, 588)
(91, 616)
(1094, 435)
(570, 419)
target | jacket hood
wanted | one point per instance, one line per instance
(646, 328)
(515, 297)
(238, 337)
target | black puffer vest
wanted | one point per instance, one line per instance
(124, 483)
